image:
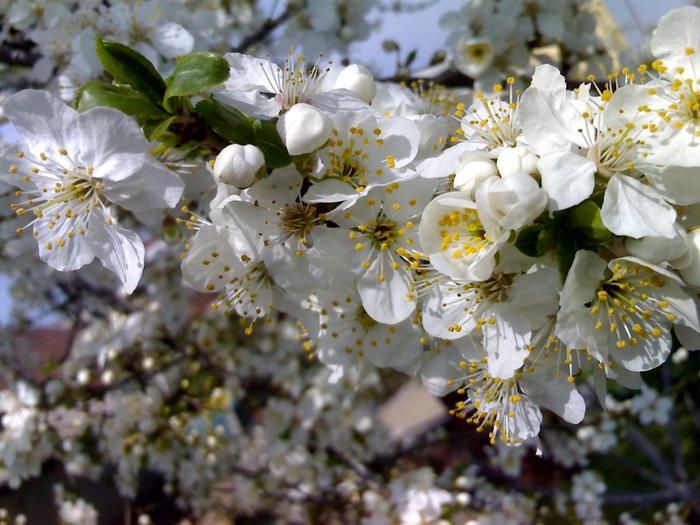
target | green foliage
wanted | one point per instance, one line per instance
(564, 233)
(238, 128)
(164, 109)
(269, 142)
(534, 240)
(196, 73)
(130, 67)
(585, 219)
(97, 93)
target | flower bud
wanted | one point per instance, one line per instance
(359, 80)
(303, 129)
(107, 377)
(691, 271)
(656, 250)
(239, 165)
(474, 168)
(510, 202)
(516, 160)
(83, 377)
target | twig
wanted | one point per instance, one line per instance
(693, 410)
(648, 448)
(672, 427)
(263, 31)
(643, 498)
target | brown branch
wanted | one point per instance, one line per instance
(263, 31)
(17, 55)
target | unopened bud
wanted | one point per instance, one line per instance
(83, 376)
(474, 168)
(148, 363)
(359, 80)
(516, 160)
(303, 129)
(239, 165)
(107, 377)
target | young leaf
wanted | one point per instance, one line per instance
(586, 218)
(411, 57)
(226, 121)
(156, 129)
(130, 67)
(566, 251)
(534, 240)
(269, 142)
(197, 73)
(97, 93)
(237, 128)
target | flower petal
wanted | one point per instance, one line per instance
(550, 122)
(111, 143)
(153, 186)
(43, 120)
(676, 32)
(120, 250)
(636, 210)
(385, 292)
(172, 40)
(567, 178)
(504, 342)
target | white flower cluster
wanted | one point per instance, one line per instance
(489, 39)
(63, 32)
(514, 249)
(542, 241)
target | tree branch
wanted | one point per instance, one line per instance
(263, 31)
(17, 55)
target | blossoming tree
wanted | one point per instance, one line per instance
(257, 258)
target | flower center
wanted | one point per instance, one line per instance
(244, 291)
(382, 232)
(629, 305)
(462, 233)
(348, 157)
(363, 319)
(490, 120)
(295, 82)
(63, 194)
(298, 220)
(492, 403)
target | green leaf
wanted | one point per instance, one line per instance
(534, 240)
(390, 46)
(130, 67)
(238, 128)
(586, 218)
(156, 129)
(269, 142)
(96, 93)
(197, 73)
(566, 251)
(411, 57)
(226, 121)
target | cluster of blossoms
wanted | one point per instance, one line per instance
(539, 242)
(62, 33)
(544, 241)
(513, 249)
(489, 39)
